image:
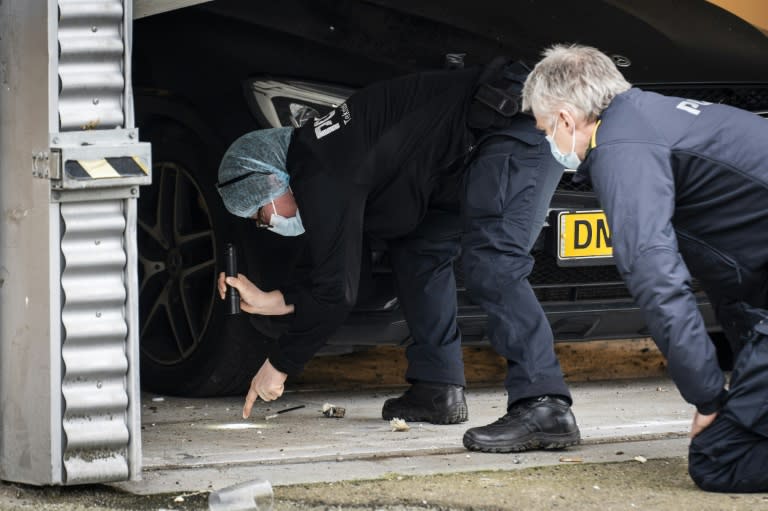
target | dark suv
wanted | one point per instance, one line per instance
(206, 74)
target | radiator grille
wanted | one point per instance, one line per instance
(753, 99)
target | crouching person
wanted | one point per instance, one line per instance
(398, 162)
(684, 185)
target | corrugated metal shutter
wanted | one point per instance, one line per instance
(95, 364)
(91, 62)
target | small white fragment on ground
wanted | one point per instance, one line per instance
(596, 487)
(399, 425)
(571, 459)
(641, 459)
(333, 411)
(158, 399)
(179, 499)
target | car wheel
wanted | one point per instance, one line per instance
(189, 345)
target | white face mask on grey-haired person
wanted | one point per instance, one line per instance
(570, 160)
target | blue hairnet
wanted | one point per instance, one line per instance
(252, 172)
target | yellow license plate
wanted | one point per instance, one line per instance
(583, 234)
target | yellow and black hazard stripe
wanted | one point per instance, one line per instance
(106, 168)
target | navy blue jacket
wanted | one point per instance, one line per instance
(679, 177)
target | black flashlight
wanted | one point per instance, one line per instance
(233, 296)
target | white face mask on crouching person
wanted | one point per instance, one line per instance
(285, 226)
(570, 160)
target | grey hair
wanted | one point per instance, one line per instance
(580, 79)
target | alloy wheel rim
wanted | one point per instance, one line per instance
(177, 265)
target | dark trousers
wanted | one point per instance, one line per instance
(423, 267)
(506, 193)
(731, 455)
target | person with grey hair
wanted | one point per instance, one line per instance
(684, 184)
(397, 162)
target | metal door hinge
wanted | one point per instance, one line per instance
(46, 165)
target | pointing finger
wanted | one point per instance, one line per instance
(250, 399)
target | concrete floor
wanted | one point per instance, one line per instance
(196, 445)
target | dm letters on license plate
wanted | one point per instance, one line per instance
(584, 234)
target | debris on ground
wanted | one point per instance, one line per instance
(292, 408)
(333, 411)
(641, 459)
(399, 425)
(571, 459)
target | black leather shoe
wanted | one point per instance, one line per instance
(545, 422)
(437, 403)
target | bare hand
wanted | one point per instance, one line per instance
(701, 422)
(267, 385)
(251, 297)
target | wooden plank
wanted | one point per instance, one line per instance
(580, 361)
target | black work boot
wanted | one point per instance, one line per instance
(438, 403)
(544, 422)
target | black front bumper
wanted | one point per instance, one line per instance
(571, 322)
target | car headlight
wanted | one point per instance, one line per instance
(300, 114)
(291, 102)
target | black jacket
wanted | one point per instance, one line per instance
(681, 177)
(373, 165)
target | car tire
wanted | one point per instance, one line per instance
(189, 345)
